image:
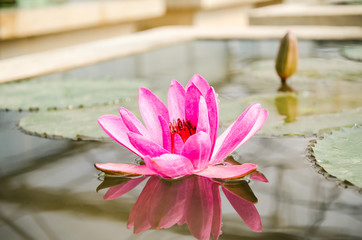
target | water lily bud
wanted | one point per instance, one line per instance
(287, 59)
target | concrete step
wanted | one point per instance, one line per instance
(31, 30)
(298, 14)
(29, 22)
(211, 13)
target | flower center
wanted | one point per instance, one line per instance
(183, 128)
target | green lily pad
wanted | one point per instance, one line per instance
(327, 95)
(340, 154)
(353, 52)
(75, 124)
(313, 75)
(48, 94)
(81, 124)
(297, 113)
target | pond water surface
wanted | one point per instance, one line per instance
(49, 186)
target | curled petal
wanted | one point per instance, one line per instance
(200, 83)
(178, 144)
(263, 115)
(192, 104)
(197, 149)
(203, 119)
(213, 114)
(227, 172)
(132, 122)
(149, 163)
(166, 135)
(146, 146)
(170, 165)
(258, 176)
(118, 131)
(239, 132)
(124, 169)
(151, 107)
(176, 101)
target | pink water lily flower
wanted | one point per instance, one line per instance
(181, 140)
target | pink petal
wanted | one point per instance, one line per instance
(213, 114)
(203, 119)
(199, 214)
(146, 146)
(172, 165)
(217, 216)
(234, 135)
(178, 144)
(176, 101)
(188, 184)
(166, 135)
(124, 169)
(225, 172)
(138, 217)
(192, 104)
(117, 130)
(246, 210)
(119, 190)
(263, 115)
(150, 164)
(151, 107)
(197, 150)
(132, 122)
(168, 203)
(200, 83)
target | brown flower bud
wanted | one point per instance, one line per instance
(287, 59)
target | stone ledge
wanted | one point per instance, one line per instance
(295, 14)
(297, 10)
(210, 4)
(19, 23)
(23, 46)
(33, 65)
(277, 32)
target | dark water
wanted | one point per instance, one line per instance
(49, 186)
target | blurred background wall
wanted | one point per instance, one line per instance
(31, 26)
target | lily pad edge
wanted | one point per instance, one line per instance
(78, 137)
(310, 156)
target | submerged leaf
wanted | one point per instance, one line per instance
(353, 52)
(112, 181)
(340, 154)
(241, 189)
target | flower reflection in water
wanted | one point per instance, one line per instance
(194, 200)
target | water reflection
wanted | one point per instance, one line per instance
(194, 201)
(287, 105)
